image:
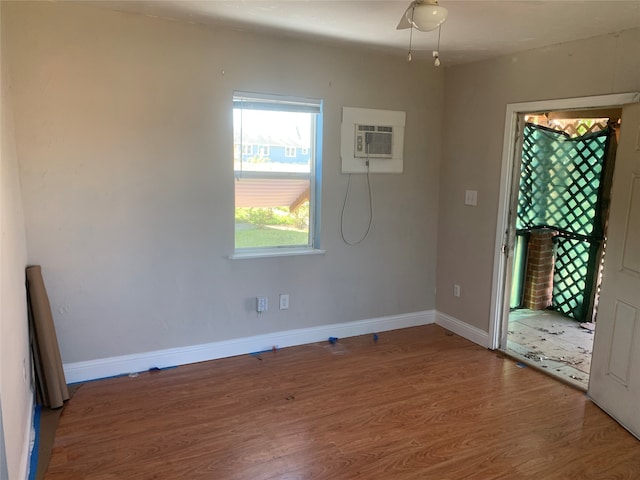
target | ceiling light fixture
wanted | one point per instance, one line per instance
(423, 15)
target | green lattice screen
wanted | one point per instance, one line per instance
(560, 189)
(570, 277)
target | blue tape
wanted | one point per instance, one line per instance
(260, 352)
(152, 369)
(160, 369)
(33, 461)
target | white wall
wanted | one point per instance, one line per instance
(15, 389)
(123, 124)
(475, 105)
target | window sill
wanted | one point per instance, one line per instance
(280, 252)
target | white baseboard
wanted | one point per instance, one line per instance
(463, 329)
(29, 439)
(139, 362)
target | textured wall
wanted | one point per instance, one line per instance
(15, 389)
(476, 98)
(123, 127)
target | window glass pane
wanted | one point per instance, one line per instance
(272, 141)
(274, 155)
(272, 212)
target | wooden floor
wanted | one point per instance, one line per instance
(420, 403)
(551, 341)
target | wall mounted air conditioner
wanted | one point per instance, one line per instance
(373, 141)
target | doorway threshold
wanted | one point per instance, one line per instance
(552, 343)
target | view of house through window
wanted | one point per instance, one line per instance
(274, 168)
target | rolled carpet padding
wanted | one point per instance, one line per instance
(50, 383)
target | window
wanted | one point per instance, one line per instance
(247, 149)
(276, 193)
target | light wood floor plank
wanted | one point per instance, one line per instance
(418, 404)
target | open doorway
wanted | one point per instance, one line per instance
(560, 207)
(505, 239)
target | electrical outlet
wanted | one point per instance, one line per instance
(456, 290)
(262, 304)
(284, 301)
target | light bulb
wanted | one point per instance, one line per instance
(437, 62)
(409, 57)
(427, 16)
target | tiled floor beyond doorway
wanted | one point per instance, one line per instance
(553, 342)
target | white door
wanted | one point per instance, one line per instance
(615, 368)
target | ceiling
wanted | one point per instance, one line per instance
(475, 29)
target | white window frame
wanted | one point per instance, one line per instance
(261, 101)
